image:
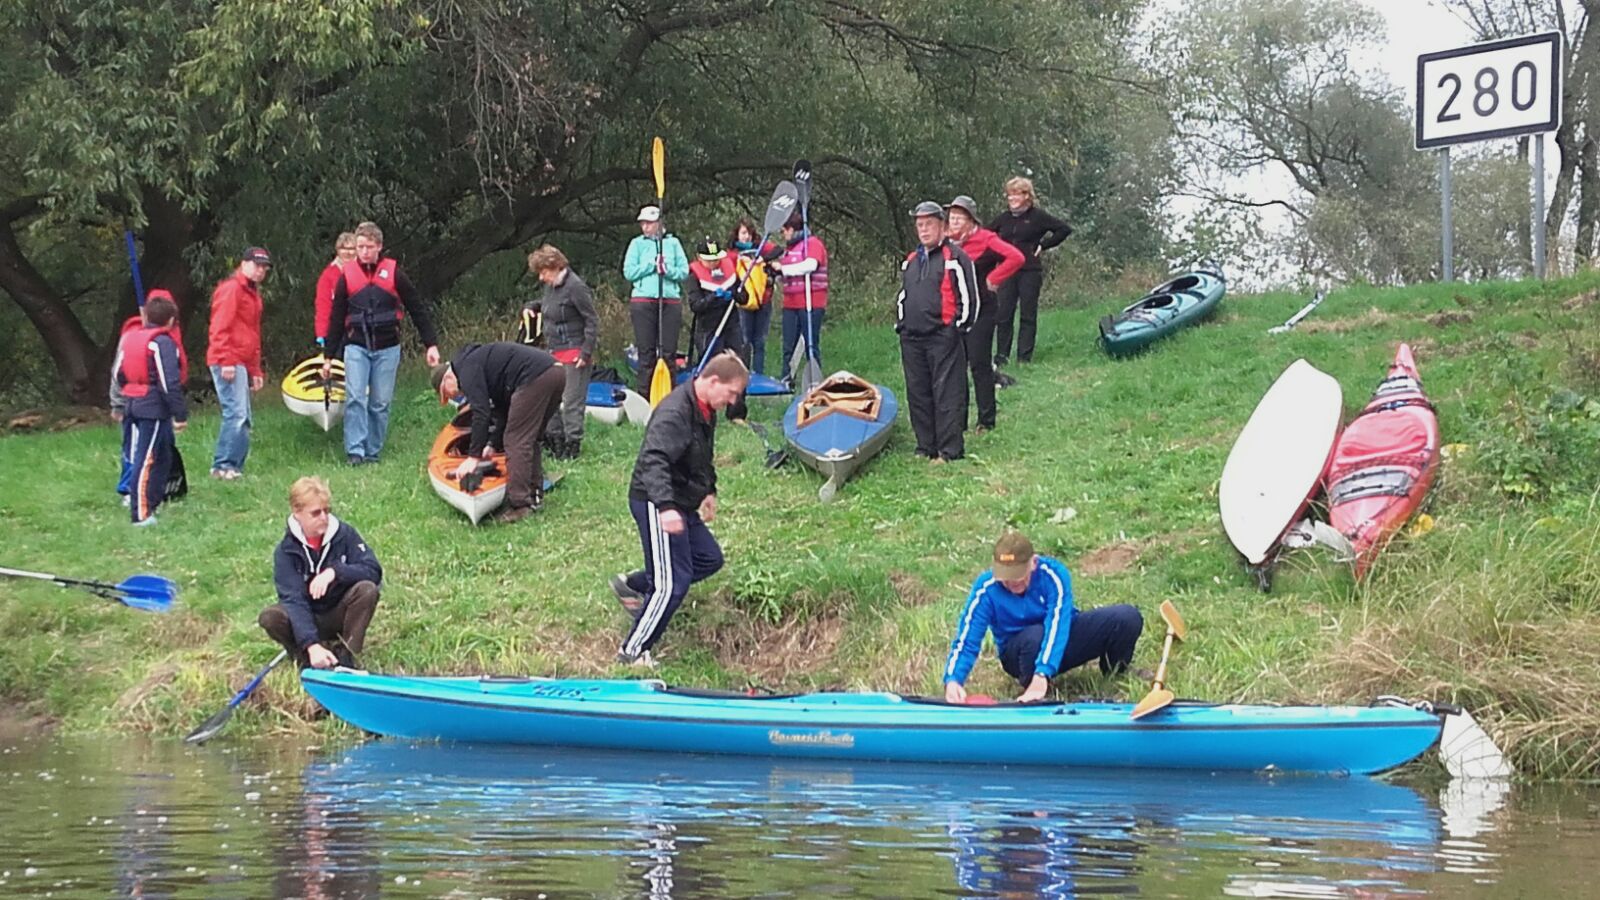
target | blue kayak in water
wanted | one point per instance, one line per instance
(651, 716)
(1181, 302)
(838, 425)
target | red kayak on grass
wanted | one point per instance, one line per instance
(1384, 462)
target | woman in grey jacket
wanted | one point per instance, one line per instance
(573, 329)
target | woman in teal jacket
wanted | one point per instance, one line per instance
(656, 265)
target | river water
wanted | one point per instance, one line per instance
(99, 818)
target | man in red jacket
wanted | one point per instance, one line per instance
(233, 352)
(994, 261)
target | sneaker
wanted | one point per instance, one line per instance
(632, 601)
(513, 514)
(227, 474)
(643, 661)
(1002, 380)
(999, 361)
(145, 522)
(127, 501)
(355, 460)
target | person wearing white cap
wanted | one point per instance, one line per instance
(657, 266)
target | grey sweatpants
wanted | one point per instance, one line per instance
(574, 397)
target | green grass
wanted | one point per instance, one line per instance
(1496, 607)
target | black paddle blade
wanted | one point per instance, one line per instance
(785, 200)
(209, 728)
(802, 180)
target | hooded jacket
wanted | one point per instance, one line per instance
(295, 564)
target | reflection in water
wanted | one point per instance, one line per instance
(423, 820)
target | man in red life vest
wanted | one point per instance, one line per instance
(148, 374)
(119, 401)
(713, 279)
(370, 300)
(344, 251)
(233, 351)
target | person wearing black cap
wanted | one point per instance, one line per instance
(514, 391)
(233, 352)
(1032, 230)
(994, 261)
(370, 301)
(933, 312)
(1026, 600)
(713, 279)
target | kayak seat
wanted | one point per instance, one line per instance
(841, 393)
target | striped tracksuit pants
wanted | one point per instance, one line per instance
(152, 443)
(672, 562)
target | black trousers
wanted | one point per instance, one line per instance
(348, 619)
(672, 562)
(1020, 291)
(935, 367)
(732, 338)
(532, 407)
(655, 342)
(980, 356)
(1106, 633)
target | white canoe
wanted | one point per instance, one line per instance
(1279, 458)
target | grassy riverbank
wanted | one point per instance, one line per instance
(1112, 466)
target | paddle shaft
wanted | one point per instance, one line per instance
(65, 582)
(1161, 669)
(803, 181)
(133, 263)
(255, 682)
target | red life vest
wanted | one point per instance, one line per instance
(372, 310)
(135, 374)
(723, 277)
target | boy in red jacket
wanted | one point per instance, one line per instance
(234, 354)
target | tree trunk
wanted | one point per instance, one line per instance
(70, 347)
(1588, 203)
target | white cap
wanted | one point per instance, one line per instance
(650, 214)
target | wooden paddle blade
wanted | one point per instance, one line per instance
(1159, 698)
(1169, 612)
(660, 383)
(658, 165)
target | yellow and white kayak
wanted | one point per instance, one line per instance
(307, 393)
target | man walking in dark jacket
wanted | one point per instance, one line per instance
(370, 300)
(514, 390)
(327, 580)
(673, 497)
(936, 306)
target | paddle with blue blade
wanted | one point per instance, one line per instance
(151, 593)
(209, 728)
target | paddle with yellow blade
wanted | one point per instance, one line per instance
(661, 378)
(1159, 697)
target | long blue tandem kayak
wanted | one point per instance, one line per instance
(649, 715)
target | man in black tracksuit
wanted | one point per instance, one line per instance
(327, 580)
(936, 306)
(673, 496)
(514, 390)
(1033, 231)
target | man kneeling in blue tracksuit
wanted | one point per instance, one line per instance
(1026, 600)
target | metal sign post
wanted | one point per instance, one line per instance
(1494, 90)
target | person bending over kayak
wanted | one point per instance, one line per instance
(1026, 600)
(514, 390)
(673, 497)
(327, 580)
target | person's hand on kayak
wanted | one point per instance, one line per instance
(467, 465)
(1037, 688)
(321, 657)
(954, 693)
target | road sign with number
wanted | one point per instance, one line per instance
(1493, 90)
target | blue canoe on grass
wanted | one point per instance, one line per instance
(650, 716)
(1181, 302)
(839, 425)
(760, 385)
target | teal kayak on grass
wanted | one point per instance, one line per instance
(651, 716)
(1181, 302)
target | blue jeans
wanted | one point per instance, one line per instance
(368, 388)
(794, 324)
(233, 439)
(755, 325)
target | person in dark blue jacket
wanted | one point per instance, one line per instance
(327, 580)
(1026, 600)
(150, 375)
